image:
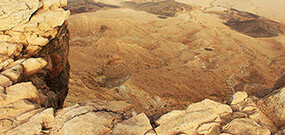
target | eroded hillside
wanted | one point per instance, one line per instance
(167, 58)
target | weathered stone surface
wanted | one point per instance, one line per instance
(9, 49)
(247, 107)
(238, 97)
(274, 107)
(188, 122)
(35, 124)
(15, 13)
(14, 73)
(220, 109)
(5, 81)
(136, 125)
(21, 91)
(5, 63)
(243, 126)
(34, 74)
(33, 65)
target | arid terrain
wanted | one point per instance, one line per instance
(142, 67)
(163, 55)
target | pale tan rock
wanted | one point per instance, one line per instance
(67, 114)
(274, 107)
(16, 37)
(209, 129)
(33, 65)
(220, 109)
(186, 123)
(171, 116)
(263, 120)
(30, 27)
(16, 13)
(5, 81)
(21, 91)
(243, 126)
(5, 38)
(34, 124)
(9, 49)
(13, 73)
(34, 39)
(136, 125)
(5, 63)
(92, 123)
(52, 4)
(238, 97)
(52, 18)
(249, 108)
(15, 109)
(14, 63)
(33, 49)
(43, 26)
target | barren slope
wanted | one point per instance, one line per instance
(160, 64)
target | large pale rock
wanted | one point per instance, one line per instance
(219, 108)
(34, 125)
(92, 123)
(189, 123)
(242, 126)
(33, 65)
(94, 118)
(137, 125)
(21, 91)
(274, 107)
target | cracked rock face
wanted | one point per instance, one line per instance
(34, 48)
(34, 68)
(34, 74)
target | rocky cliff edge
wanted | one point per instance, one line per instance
(34, 83)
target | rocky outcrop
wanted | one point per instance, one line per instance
(34, 69)
(119, 118)
(34, 82)
(34, 48)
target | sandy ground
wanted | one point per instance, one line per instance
(161, 64)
